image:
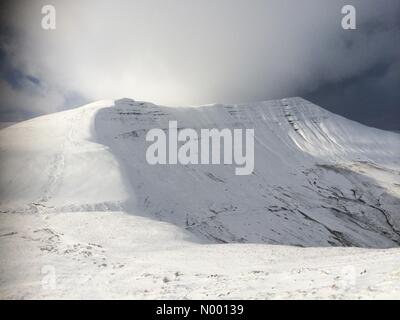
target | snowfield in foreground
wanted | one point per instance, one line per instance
(84, 216)
(116, 255)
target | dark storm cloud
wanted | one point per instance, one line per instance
(371, 98)
(194, 52)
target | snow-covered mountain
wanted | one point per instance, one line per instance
(319, 179)
(83, 215)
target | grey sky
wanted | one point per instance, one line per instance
(181, 52)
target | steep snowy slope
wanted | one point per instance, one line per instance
(319, 179)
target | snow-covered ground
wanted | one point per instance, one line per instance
(84, 216)
(116, 255)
